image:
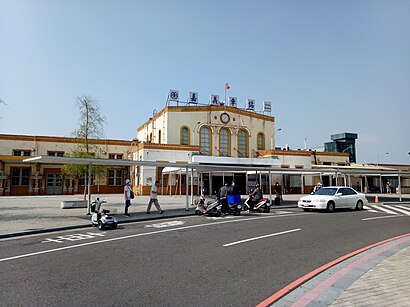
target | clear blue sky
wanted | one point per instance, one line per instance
(326, 66)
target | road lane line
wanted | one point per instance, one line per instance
(146, 234)
(262, 237)
(382, 217)
(403, 207)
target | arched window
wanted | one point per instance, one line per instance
(261, 141)
(205, 141)
(224, 142)
(159, 137)
(243, 143)
(184, 135)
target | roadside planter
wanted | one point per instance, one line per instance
(68, 204)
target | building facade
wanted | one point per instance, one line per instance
(18, 178)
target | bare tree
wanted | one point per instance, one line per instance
(91, 121)
(91, 127)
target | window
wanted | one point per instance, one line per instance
(115, 177)
(115, 156)
(184, 136)
(21, 152)
(20, 176)
(205, 140)
(81, 181)
(55, 153)
(261, 141)
(243, 143)
(224, 142)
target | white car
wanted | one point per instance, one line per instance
(331, 198)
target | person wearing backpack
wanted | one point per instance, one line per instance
(128, 195)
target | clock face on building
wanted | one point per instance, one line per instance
(225, 118)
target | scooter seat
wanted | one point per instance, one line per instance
(105, 211)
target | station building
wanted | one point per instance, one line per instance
(204, 134)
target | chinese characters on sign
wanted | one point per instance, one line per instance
(173, 95)
(250, 104)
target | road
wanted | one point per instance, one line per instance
(227, 261)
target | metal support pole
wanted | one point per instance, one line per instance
(381, 184)
(186, 190)
(302, 187)
(89, 190)
(270, 188)
(398, 175)
(192, 186)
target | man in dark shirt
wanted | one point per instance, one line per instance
(222, 195)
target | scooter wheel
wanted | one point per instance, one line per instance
(266, 210)
(113, 226)
(100, 225)
(218, 213)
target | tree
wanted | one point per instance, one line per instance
(91, 128)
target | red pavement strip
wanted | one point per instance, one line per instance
(272, 299)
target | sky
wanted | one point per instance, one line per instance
(326, 66)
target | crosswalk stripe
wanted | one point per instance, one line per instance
(398, 209)
(385, 210)
(403, 207)
(369, 209)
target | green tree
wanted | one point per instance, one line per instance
(91, 128)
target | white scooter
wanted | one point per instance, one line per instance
(213, 207)
(100, 217)
(261, 206)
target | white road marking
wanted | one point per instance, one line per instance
(219, 217)
(145, 234)
(385, 210)
(403, 207)
(369, 209)
(381, 217)
(399, 210)
(165, 224)
(74, 237)
(261, 237)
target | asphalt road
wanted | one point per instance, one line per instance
(227, 261)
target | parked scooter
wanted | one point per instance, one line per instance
(213, 207)
(234, 204)
(261, 206)
(100, 217)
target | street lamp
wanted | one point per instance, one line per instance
(271, 138)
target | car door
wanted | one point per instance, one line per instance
(348, 197)
(343, 198)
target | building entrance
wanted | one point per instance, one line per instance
(53, 185)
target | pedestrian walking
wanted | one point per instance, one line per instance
(127, 196)
(388, 187)
(154, 199)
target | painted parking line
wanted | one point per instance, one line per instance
(262, 237)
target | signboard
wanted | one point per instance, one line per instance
(250, 104)
(214, 100)
(193, 97)
(267, 106)
(233, 101)
(173, 95)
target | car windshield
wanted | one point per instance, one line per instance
(326, 191)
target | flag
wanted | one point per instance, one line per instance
(227, 87)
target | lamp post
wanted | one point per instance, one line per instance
(271, 138)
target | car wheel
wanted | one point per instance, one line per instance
(359, 205)
(305, 209)
(330, 207)
(100, 225)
